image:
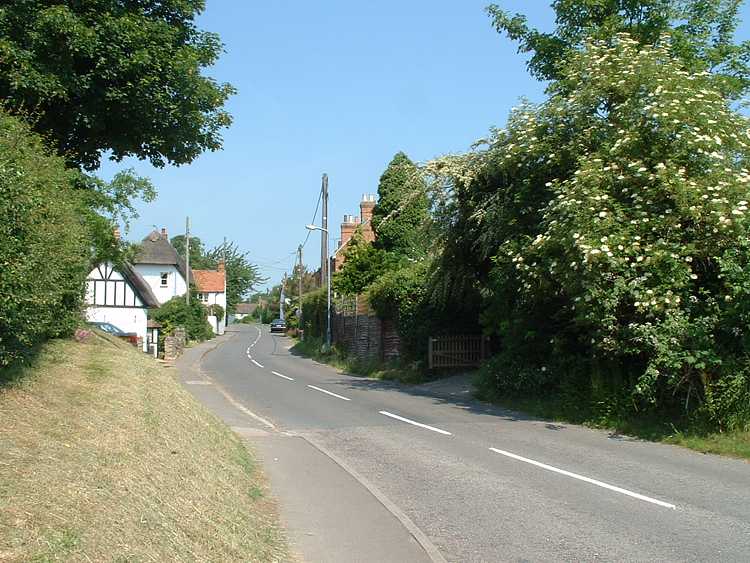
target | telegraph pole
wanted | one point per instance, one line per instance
(299, 287)
(187, 260)
(281, 300)
(324, 235)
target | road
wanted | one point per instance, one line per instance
(483, 484)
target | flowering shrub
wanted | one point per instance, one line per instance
(615, 220)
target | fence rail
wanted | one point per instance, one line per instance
(456, 351)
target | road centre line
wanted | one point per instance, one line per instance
(257, 364)
(586, 479)
(328, 393)
(415, 423)
(282, 375)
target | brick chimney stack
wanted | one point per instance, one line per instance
(164, 232)
(221, 267)
(366, 206)
(347, 229)
(116, 234)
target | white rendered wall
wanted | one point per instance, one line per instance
(152, 274)
(126, 319)
(216, 298)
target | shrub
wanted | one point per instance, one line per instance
(192, 317)
(615, 219)
(44, 248)
(315, 313)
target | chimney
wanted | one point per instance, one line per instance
(366, 206)
(164, 232)
(221, 265)
(347, 229)
(116, 234)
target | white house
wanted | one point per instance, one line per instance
(242, 310)
(121, 297)
(211, 286)
(161, 267)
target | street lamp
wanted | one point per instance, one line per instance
(328, 286)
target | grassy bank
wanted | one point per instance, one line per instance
(106, 458)
(648, 426)
(313, 348)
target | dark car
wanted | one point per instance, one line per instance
(278, 325)
(109, 328)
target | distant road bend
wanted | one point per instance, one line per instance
(485, 485)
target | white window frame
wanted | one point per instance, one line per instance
(203, 297)
(164, 279)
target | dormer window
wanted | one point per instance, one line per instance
(164, 279)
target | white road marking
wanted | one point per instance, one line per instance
(282, 375)
(415, 423)
(257, 364)
(586, 479)
(328, 393)
(197, 382)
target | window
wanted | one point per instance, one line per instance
(164, 279)
(203, 297)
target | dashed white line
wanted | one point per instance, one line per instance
(282, 375)
(257, 364)
(415, 423)
(328, 393)
(585, 479)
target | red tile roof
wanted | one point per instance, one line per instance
(209, 280)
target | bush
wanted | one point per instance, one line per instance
(315, 313)
(177, 313)
(44, 244)
(615, 216)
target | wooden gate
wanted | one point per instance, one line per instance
(456, 351)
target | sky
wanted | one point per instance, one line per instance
(338, 87)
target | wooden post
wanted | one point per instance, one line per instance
(430, 361)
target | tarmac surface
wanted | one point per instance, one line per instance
(373, 471)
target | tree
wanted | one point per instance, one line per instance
(190, 316)
(45, 251)
(364, 264)
(701, 34)
(402, 210)
(112, 75)
(612, 221)
(198, 256)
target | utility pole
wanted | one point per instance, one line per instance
(324, 235)
(187, 260)
(281, 299)
(300, 270)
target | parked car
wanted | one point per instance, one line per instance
(278, 325)
(109, 328)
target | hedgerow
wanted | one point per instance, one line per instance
(614, 220)
(44, 243)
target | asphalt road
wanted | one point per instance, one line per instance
(485, 485)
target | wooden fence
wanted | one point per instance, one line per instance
(456, 351)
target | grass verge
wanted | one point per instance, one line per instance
(106, 458)
(313, 348)
(648, 426)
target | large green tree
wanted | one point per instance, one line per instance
(364, 263)
(701, 34)
(402, 211)
(118, 76)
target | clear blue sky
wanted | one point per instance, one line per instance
(338, 87)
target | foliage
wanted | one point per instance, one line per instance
(402, 210)
(198, 254)
(315, 313)
(401, 295)
(363, 264)
(106, 75)
(177, 313)
(611, 223)
(44, 244)
(701, 34)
